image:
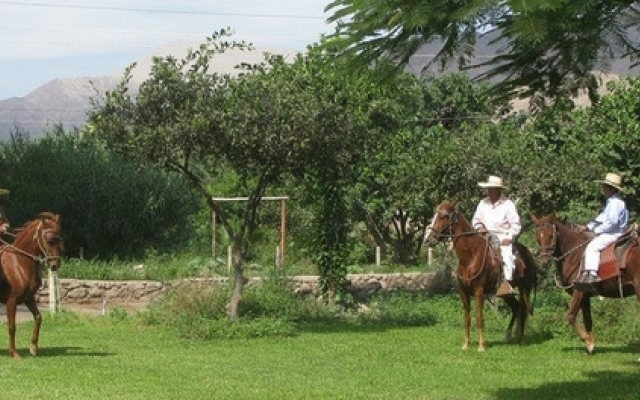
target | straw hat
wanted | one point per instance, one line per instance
(613, 180)
(492, 182)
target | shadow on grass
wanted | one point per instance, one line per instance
(596, 385)
(621, 349)
(72, 351)
(530, 340)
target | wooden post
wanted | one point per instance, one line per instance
(213, 234)
(429, 255)
(283, 229)
(53, 291)
(229, 258)
(283, 221)
(378, 257)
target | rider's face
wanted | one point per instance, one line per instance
(607, 190)
(494, 194)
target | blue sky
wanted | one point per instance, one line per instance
(43, 40)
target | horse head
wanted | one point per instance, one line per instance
(546, 236)
(444, 219)
(41, 238)
(49, 238)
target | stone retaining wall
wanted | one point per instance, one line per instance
(360, 285)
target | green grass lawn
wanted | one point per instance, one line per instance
(105, 358)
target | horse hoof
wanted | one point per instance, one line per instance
(33, 352)
(481, 349)
(591, 349)
(465, 347)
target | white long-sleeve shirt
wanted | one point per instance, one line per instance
(500, 217)
(613, 219)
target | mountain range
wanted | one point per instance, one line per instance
(66, 101)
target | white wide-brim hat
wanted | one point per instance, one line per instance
(492, 182)
(613, 180)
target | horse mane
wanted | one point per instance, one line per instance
(33, 222)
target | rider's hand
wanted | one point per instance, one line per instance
(4, 228)
(582, 228)
(505, 242)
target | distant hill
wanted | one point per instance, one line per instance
(61, 101)
(66, 101)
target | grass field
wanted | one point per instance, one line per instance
(116, 357)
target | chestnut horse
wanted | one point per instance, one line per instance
(559, 242)
(479, 269)
(38, 242)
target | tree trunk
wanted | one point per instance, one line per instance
(238, 282)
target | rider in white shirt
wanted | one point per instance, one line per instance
(497, 214)
(608, 226)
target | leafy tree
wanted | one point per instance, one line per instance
(109, 206)
(397, 185)
(307, 118)
(187, 120)
(548, 48)
(612, 131)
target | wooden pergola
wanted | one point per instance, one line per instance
(283, 222)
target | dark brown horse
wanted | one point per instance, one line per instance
(478, 272)
(37, 243)
(561, 243)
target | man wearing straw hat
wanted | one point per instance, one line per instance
(608, 226)
(497, 214)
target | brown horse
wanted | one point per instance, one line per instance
(561, 243)
(478, 272)
(38, 242)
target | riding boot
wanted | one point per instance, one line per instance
(505, 289)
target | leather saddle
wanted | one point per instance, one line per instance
(613, 258)
(496, 257)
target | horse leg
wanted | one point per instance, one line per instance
(466, 306)
(590, 341)
(11, 326)
(580, 302)
(37, 321)
(524, 305)
(480, 318)
(513, 306)
(636, 286)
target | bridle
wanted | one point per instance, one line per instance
(548, 251)
(439, 235)
(44, 239)
(452, 217)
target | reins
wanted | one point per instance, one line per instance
(453, 220)
(549, 253)
(37, 238)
